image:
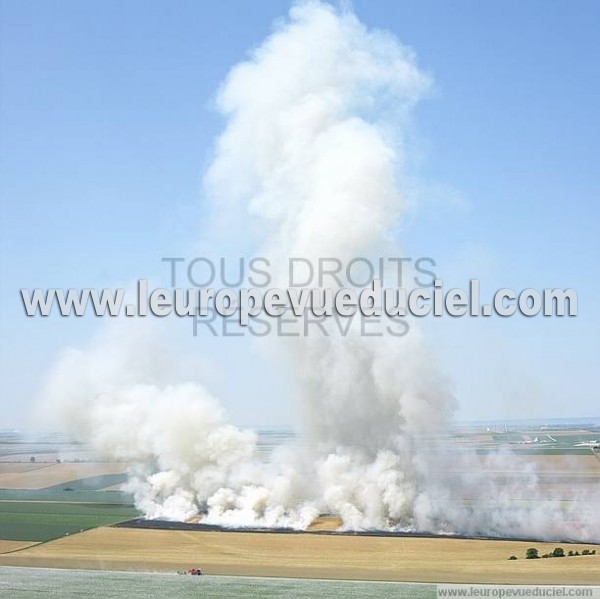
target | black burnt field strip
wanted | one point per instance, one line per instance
(192, 526)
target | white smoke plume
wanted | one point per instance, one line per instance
(312, 161)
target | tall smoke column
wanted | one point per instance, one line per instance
(311, 160)
(315, 122)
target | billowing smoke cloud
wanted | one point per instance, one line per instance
(314, 136)
(312, 161)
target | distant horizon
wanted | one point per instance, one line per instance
(593, 420)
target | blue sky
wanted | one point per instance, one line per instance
(107, 124)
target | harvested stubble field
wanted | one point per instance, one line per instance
(47, 457)
(47, 475)
(311, 556)
(7, 546)
(16, 467)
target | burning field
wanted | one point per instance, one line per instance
(312, 163)
(313, 157)
(324, 550)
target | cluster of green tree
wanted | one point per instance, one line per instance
(532, 553)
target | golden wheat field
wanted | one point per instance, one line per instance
(310, 556)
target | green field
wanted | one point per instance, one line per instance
(27, 583)
(45, 520)
(74, 496)
(89, 483)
